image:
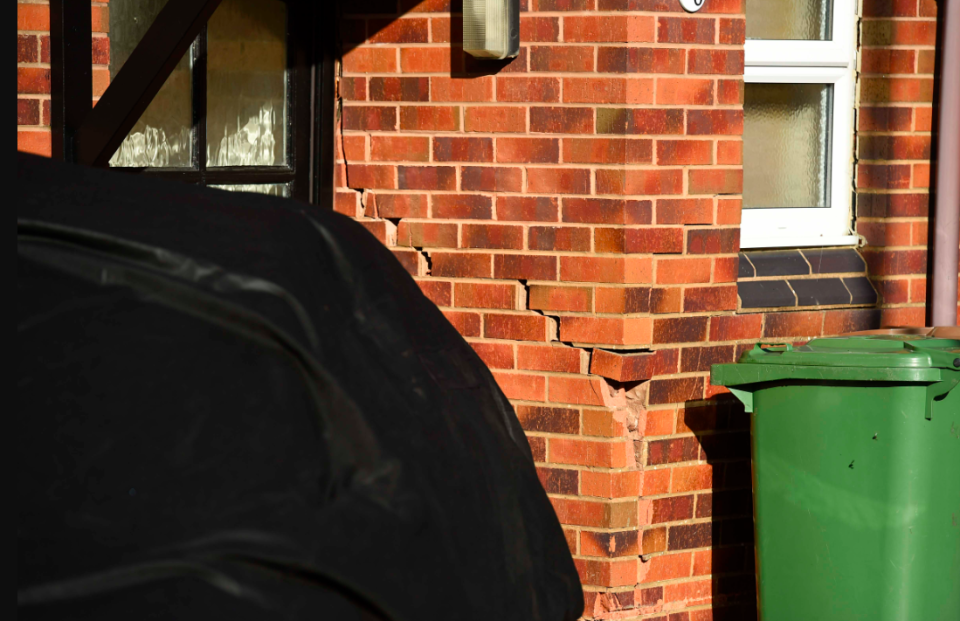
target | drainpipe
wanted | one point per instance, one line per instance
(942, 307)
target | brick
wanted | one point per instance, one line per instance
(346, 203)
(33, 17)
(732, 31)
(522, 386)
(726, 62)
(516, 327)
(525, 267)
(607, 574)
(685, 30)
(680, 152)
(653, 540)
(713, 241)
(886, 61)
(581, 512)
(885, 119)
(558, 359)
(539, 29)
(443, 89)
(883, 176)
(729, 152)
(397, 89)
(557, 120)
(558, 180)
(672, 509)
(351, 148)
(492, 236)
(626, 367)
(400, 148)
(607, 151)
(366, 177)
(898, 89)
(426, 234)
(33, 80)
(491, 179)
(609, 330)
(722, 122)
(576, 452)
(800, 324)
(610, 545)
(426, 178)
(729, 212)
(606, 211)
(608, 90)
(460, 265)
(497, 119)
(656, 240)
(384, 231)
(684, 91)
(730, 92)
(527, 208)
(622, 299)
(639, 121)
(424, 60)
(558, 480)
(370, 60)
(890, 8)
(894, 147)
(400, 205)
(736, 327)
(676, 390)
(28, 112)
(561, 58)
(36, 142)
(685, 211)
(680, 329)
(852, 320)
(687, 536)
(552, 298)
(604, 269)
(577, 390)
(462, 206)
(644, 182)
(438, 292)
(538, 447)
(680, 271)
(709, 299)
(495, 355)
(715, 181)
(430, 118)
(484, 295)
(898, 32)
(895, 262)
(666, 567)
(528, 89)
(640, 60)
(528, 150)
(609, 29)
(467, 324)
(672, 451)
(700, 359)
(28, 50)
(607, 424)
(571, 239)
(665, 300)
(459, 149)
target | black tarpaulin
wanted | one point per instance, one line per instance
(239, 406)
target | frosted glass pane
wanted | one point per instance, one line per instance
(790, 19)
(272, 189)
(247, 84)
(786, 145)
(163, 135)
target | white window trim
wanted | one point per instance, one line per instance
(823, 62)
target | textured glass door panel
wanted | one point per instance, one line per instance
(807, 20)
(163, 135)
(247, 84)
(786, 142)
(272, 189)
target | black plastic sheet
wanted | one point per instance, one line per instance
(239, 406)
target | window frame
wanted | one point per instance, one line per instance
(830, 62)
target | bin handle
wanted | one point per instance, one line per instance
(778, 348)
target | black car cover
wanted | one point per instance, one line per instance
(242, 407)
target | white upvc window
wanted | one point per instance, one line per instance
(800, 60)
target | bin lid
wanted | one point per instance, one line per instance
(893, 351)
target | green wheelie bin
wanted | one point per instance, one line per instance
(856, 476)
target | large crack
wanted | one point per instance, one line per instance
(426, 255)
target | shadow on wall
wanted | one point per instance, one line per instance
(722, 430)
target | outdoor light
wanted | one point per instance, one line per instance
(491, 28)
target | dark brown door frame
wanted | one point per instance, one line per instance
(86, 135)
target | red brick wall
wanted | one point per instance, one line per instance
(583, 200)
(33, 69)
(896, 90)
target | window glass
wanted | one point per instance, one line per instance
(272, 189)
(162, 136)
(789, 19)
(786, 145)
(247, 84)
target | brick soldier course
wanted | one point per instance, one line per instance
(575, 214)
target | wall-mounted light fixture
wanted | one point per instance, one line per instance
(491, 28)
(692, 6)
